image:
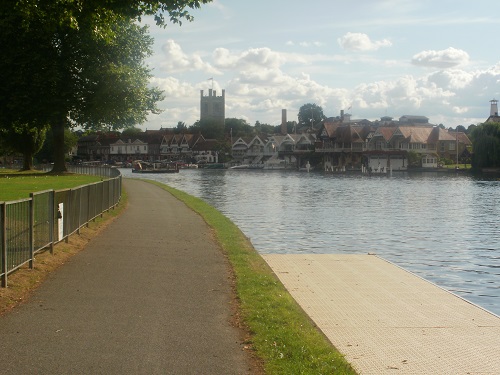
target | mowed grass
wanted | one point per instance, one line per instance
(14, 185)
(282, 335)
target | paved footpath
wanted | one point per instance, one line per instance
(150, 295)
(386, 320)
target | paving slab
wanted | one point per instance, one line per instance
(386, 320)
(151, 294)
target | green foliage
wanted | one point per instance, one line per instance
(181, 128)
(76, 13)
(71, 62)
(46, 153)
(264, 128)
(486, 145)
(310, 115)
(414, 159)
(131, 132)
(24, 139)
(238, 127)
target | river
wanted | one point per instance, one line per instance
(444, 228)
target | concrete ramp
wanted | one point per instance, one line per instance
(387, 320)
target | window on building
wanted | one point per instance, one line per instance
(452, 146)
(441, 147)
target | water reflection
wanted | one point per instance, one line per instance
(444, 229)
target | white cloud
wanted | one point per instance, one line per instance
(260, 82)
(174, 60)
(257, 57)
(361, 42)
(444, 59)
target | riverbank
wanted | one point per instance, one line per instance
(281, 333)
(278, 330)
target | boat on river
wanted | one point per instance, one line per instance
(248, 166)
(140, 166)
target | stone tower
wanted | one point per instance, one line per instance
(213, 107)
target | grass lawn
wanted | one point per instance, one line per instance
(17, 185)
(282, 335)
(460, 166)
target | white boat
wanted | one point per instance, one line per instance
(248, 166)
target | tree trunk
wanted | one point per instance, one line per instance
(28, 161)
(58, 138)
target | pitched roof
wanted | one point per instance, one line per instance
(415, 134)
(385, 131)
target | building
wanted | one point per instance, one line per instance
(493, 112)
(213, 107)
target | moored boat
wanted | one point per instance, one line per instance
(145, 167)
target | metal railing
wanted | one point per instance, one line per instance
(28, 226)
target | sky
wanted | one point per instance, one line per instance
(370, 58)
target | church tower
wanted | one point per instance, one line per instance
(213, 107)
(494, 107)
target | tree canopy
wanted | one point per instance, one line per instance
(79, 63)
(486, 145)
(310, 115)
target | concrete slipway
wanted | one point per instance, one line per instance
(386, 320)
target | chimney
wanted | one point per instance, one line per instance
(284, 130)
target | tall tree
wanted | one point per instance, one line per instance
(486, 145)
(237, 127)
(84, 63)
(181, 127)
(310, 115)
(46, 153)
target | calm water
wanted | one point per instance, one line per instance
(443, 228)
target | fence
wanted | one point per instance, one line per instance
(47, 217)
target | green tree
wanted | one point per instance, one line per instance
(486, 145)
(414, 159)
(80, 63)
(238, 127)
(25, 139)
(310, 115)
(46, 153)
(132, 132)
(470, 129)
(181, 128)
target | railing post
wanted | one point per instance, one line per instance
(3, 220)
(79, 210)
(66, 212)
(52, 217)
(31, 231)
(89, 212)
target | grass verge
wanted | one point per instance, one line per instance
(282, 335)
(19, 185)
